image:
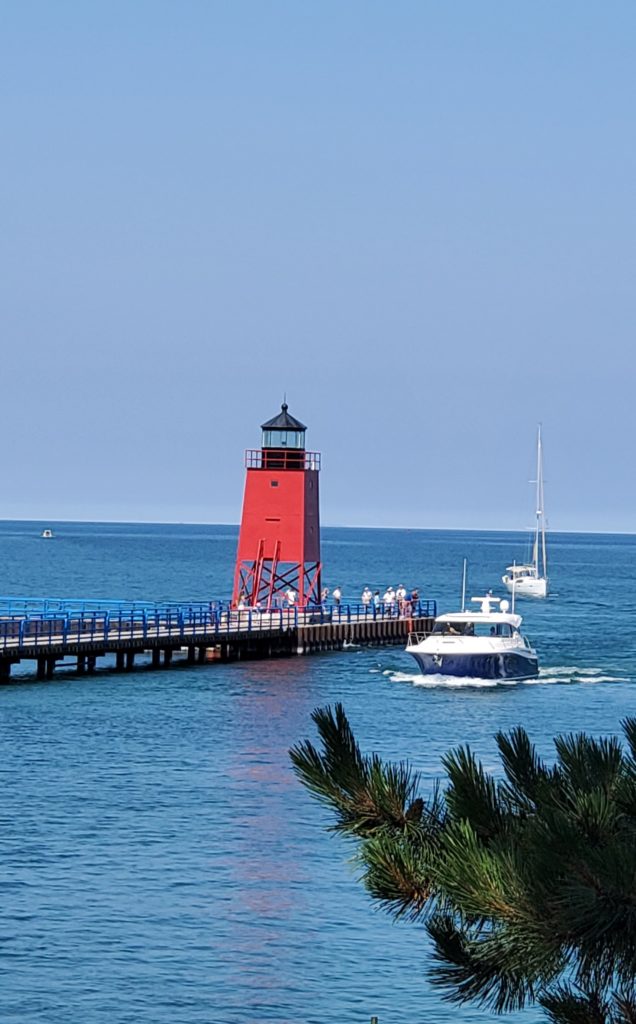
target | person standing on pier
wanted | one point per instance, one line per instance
(366, 597)
(337, 596)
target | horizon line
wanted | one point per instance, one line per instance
(328, 526)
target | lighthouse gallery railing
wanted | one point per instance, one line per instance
(281, 458)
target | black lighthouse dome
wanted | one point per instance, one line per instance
(284, 431)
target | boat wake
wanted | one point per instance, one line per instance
(574, 674)
(452, 682)
(564, 674)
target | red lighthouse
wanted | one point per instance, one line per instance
(279, 540)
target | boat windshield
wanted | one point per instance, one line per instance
(455, 628)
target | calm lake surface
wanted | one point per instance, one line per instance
(159, 863)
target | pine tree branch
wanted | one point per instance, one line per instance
(365, 794)
(522, 882)
(472, 795)
(566, 1006)
(474, 964)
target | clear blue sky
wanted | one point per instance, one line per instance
(415, 218)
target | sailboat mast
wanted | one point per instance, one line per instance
(540, 508)
(537, 508)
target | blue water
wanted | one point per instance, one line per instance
(159, 863)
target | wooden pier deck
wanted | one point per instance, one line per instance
(77, 634)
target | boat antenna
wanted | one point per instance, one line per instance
(464, 585)
(514, 581)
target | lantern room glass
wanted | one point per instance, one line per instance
(284, 439)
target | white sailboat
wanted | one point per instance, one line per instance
(531, 580)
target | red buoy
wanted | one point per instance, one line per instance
(278, 559)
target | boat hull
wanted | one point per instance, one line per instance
(527, 587)
(504, 665)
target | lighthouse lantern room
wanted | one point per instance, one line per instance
(278, 559)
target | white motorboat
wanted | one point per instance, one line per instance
(47, 534)
(531, 579)
(484, 644)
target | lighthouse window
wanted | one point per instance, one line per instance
(273, 483)
(283, 439)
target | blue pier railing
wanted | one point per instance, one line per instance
(27, 624)
(53, 605)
